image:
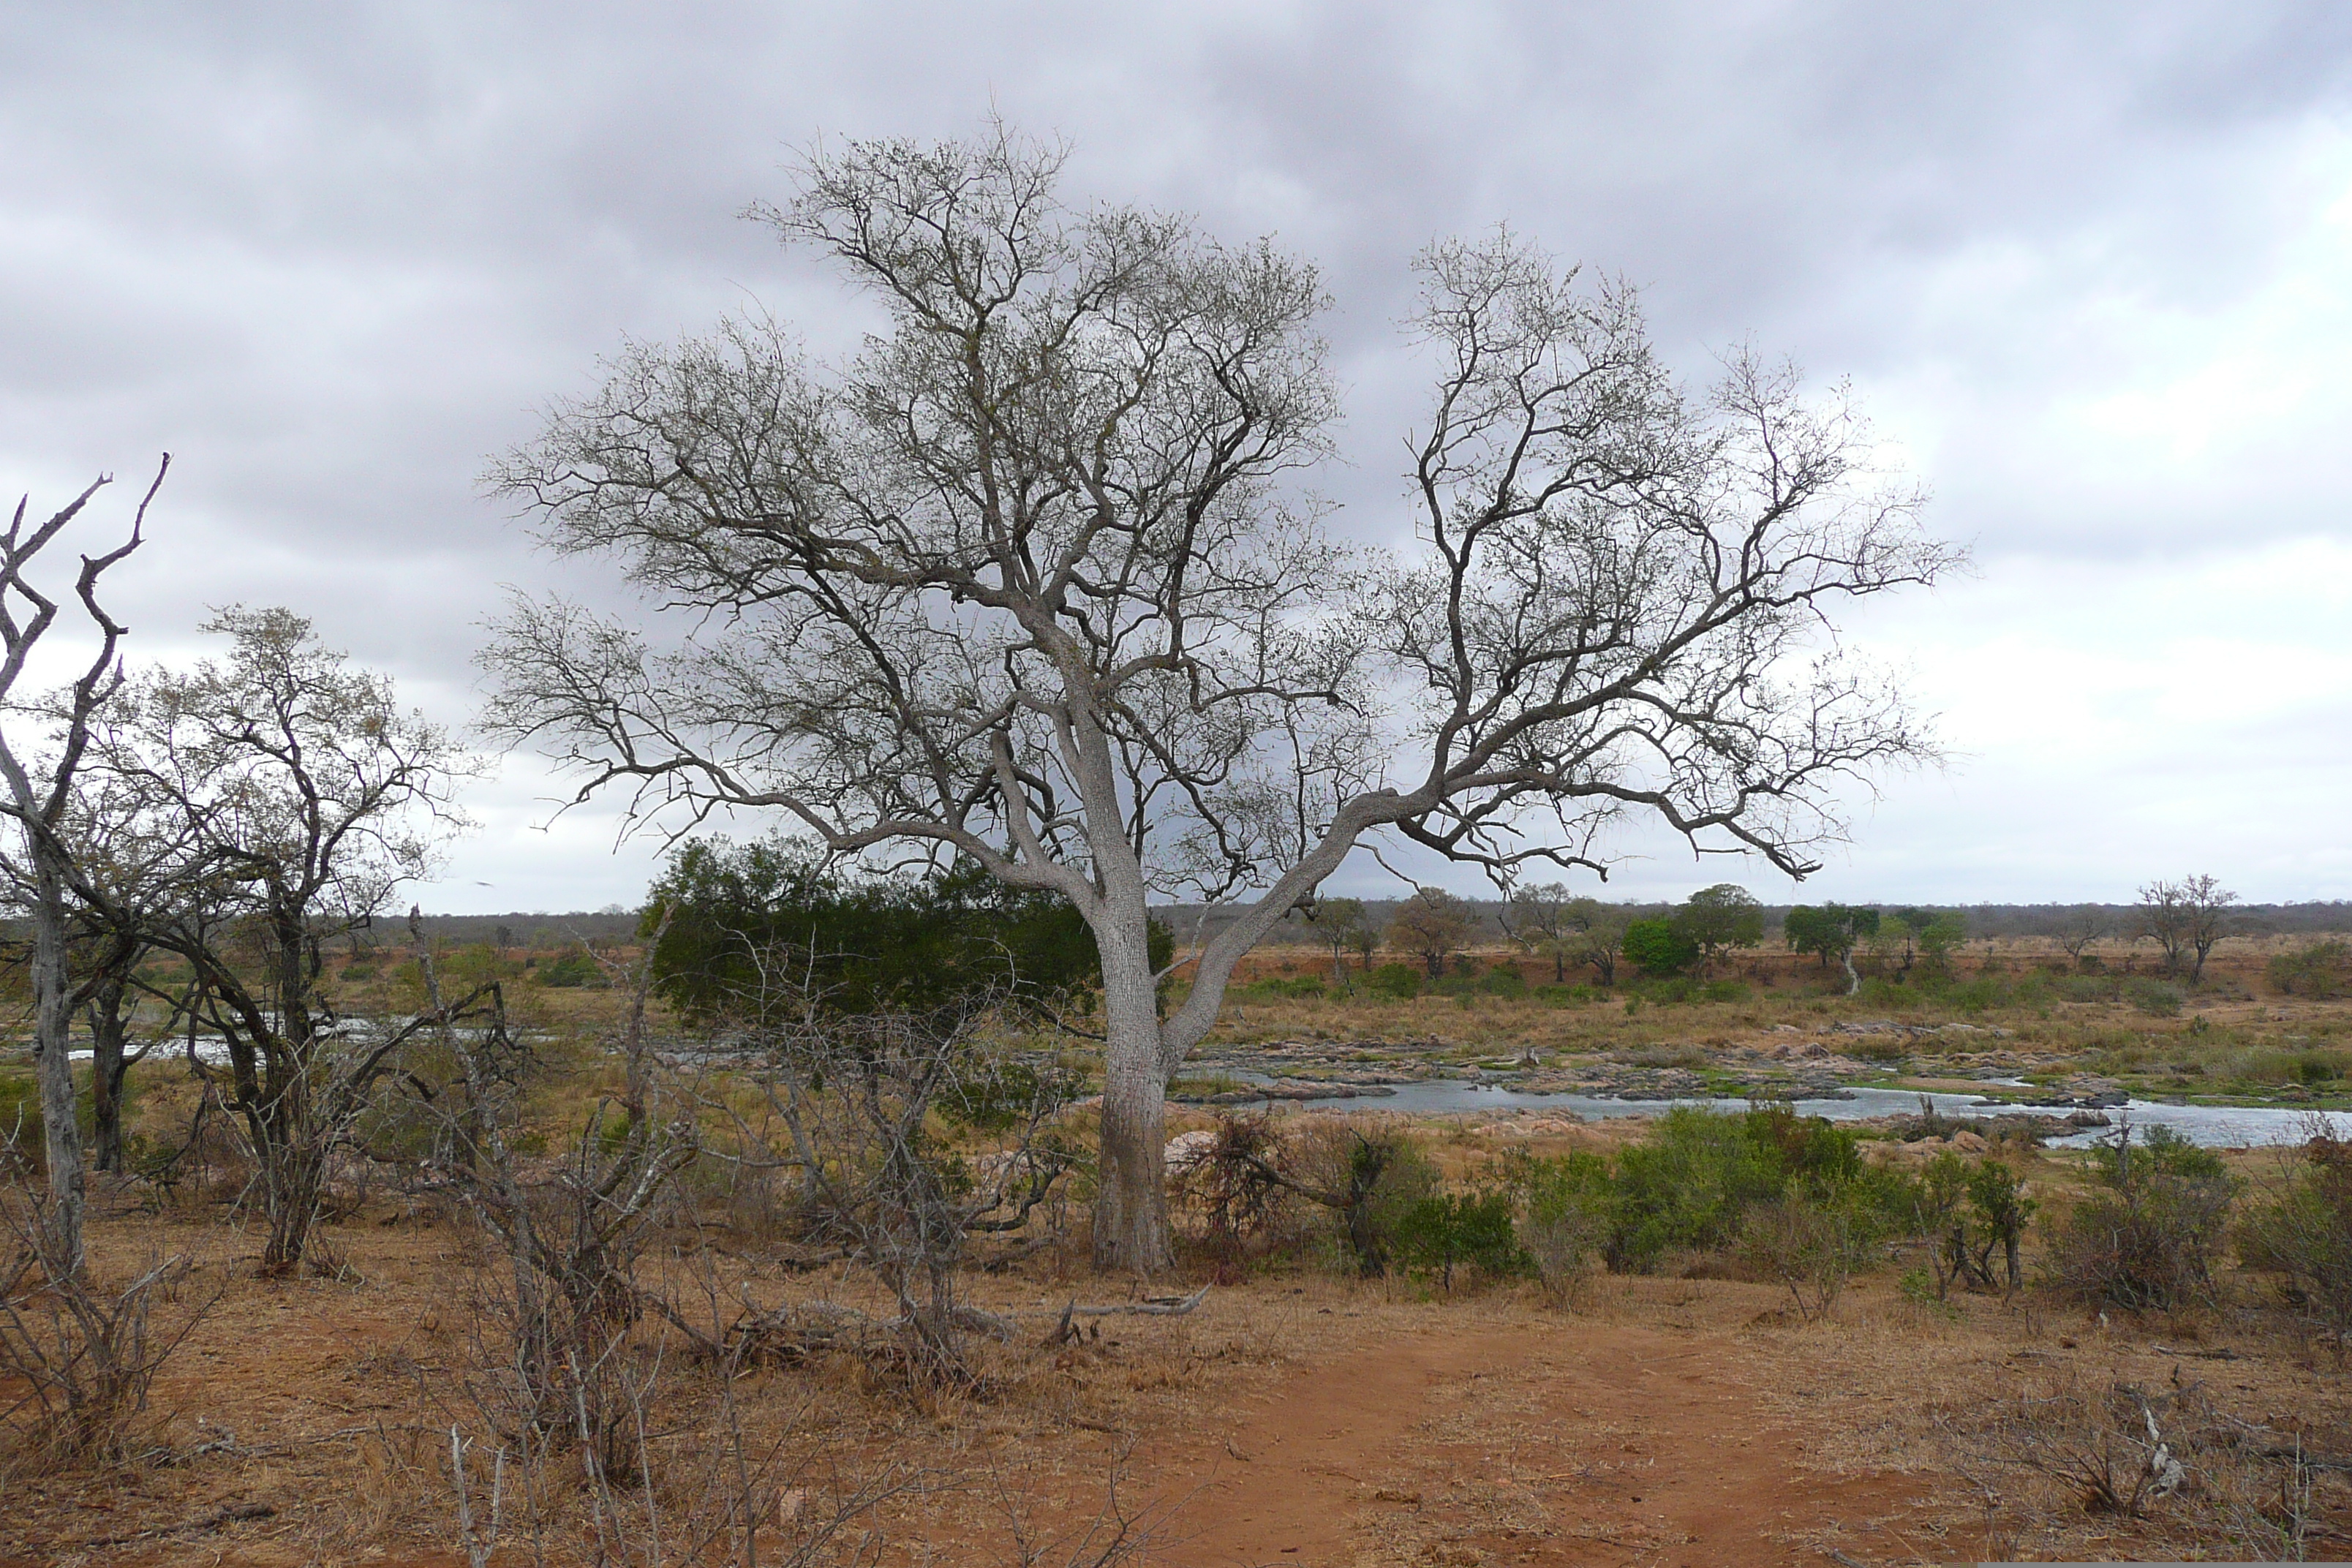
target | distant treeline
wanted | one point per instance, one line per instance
(539, 931)
(550, 930)
(1983, 920)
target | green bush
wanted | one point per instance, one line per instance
(1564, 1204)
(2303, 1233)
(2322, 970)
(1726, 991)
(1659, 947)
(2154, 997)
(2152, 1238)
(1397, 982)
(1503, 981)
(572, 968)
(1443, 1231)
(1277, 987)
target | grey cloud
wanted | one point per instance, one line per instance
(335, 258)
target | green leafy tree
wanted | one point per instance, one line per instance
(1658, 946)
(1716, 919)
(1831, 931)
(742, 916)
(1449, 1230)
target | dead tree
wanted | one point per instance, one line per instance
(1033, 579)
(2081, 926)
(858, 1097)
(40, 793)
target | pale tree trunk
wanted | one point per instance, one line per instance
(52, 1050)
(1130, 1221)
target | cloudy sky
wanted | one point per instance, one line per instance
(2090, 266)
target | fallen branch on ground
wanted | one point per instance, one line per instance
(1154, 1307)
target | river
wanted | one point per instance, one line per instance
(2215, 1126)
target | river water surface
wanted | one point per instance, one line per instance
(2217, 1126)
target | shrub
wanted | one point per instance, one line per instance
(2322, 970)
(1372, 1179)
(572, 968)
(1726, 991)
(1276, 988)
(1812, 1246)
(1503, 981)
(1442, 1231)
(1397, 982)
(1688, 1186)
(2305, 1233)
(1659, 947)
(2151, 1240)
(2154, 998)
(1564, 1208)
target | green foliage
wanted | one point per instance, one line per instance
(1383, 1178)
(1504, 980)
(2151, 1240)
(1279, 987)
(1716, 920)
(2322, 970)
(1658, 946)
(1397, 982)
(20, 1117)
(1564, 1205)
(860, 945)
(1830, 932)
(2154, 997)
(2304, 1234)
(2158, 1152)
(572, 969)
(1443, 1231)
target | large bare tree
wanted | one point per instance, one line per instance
(1031, 578)
(39, 796)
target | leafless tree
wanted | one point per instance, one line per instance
(1596, 935)
(302, 797)
(1538, 919)
(1340, 925)
(39, 794)
(1030, 577)
(862, 1099)
(2186, 918)
(1432, 925)
(2081, 926)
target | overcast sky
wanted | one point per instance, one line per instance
(2090, 266)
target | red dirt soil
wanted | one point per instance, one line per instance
(1593, 1443)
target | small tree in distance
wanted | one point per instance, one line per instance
(1538, 919)
(1432, 925)
(1716, 919)
(2186, 918)
(2081, 926)
(1340, 925)
(1596, 935)
(1831, 931)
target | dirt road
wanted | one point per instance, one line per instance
(1590, 1443)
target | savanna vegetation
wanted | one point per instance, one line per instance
(913, 1184)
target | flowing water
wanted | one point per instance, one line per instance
(2217, 1126)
